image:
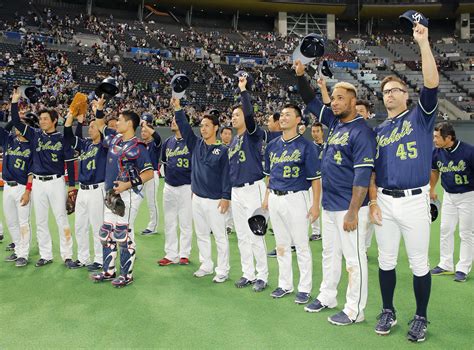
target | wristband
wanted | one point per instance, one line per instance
(29, 186)
(373, 202)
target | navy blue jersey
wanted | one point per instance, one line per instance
(404, 145)
(92, 160)
(210, 163)
(154, 150)
(122, 155)
(291, 164)
(176, 158)
(320, 147)
(50, 151)
(456, 167)
(349, 151)
(17, 157)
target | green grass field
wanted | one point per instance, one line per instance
(166, 307)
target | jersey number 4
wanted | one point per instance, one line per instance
(289, 171)
(410, 152)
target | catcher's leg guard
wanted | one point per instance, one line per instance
(109, 248)
(127, 250)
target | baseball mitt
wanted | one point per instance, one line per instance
(71, 201)
(78, 105)
(115, 203)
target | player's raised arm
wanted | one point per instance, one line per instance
(24, 130)
(247, 106)
(183, 125)
(99, 114)
(313, 104)
(428, 63)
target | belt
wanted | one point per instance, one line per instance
(12, 183)
(88, 187)
(246, 184)
(281, 193)
(46, 178)
(401, 193)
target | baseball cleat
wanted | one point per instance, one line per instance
(102, 276)
(438, 271)
(201, 273)
(293, 249)
(387, 320)
(341, 319)
(220, 278)
(315, 237)
(1, 237)
(147, 232)
(70, 264)
(10, 247)
(243, 282)
(94, 267)
(228, 230)
(272, 254)
(165, 262)
(315, 306)
(418, 327)
(11, 257)
(460, 276)
(20, 262)
(259, 285)
(184, 261)
(302, 298)
(41, 262)
(122, 281)
(280, 293)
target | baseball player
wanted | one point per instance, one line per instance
(292, 165)
(17, 163)
(363, 109)
(347, 165)
(226, 138)
(248, 190)
(211, 191)
(317, 134)
(177, 195)
(49, 156)
(128, 168)
(89, 210)
(399, 190)
(152, 141)
(454, 159)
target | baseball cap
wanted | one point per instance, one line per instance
(435, 205)
(310, 47)
(148, 118)
(244, 74)
(258, 222)
(179, 84)
(410, 18)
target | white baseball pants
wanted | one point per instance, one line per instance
(177, 207)
(338, 243)
(245, 200)
(207, 218)
(150, 188)
(288, 214)
(89, 213)
(408, 217)
(17, 218)
(457, 207)
(52, 194)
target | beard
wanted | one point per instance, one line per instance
(342, 115)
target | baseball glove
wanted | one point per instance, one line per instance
(78, 105)
(115, 203)
(71, 201)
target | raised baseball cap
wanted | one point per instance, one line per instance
(248, 76)
(311, 47)
(179, 83)
(410, 18)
